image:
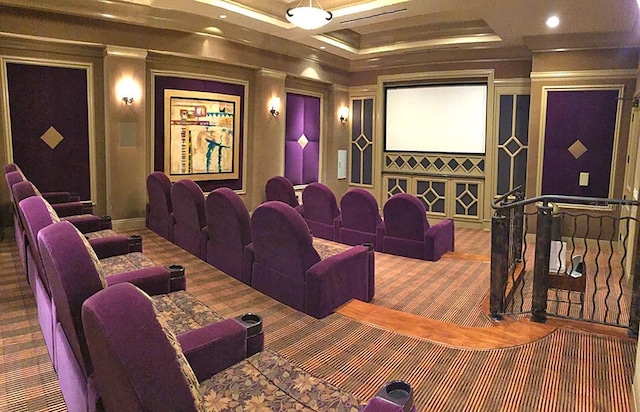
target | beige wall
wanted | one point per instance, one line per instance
(121, 170)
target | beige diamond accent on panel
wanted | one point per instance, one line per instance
(302, 141)
(51, 137)
(577, 149)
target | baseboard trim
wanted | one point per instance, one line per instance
(123, 224)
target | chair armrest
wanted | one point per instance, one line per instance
(85, 223)
(248, 257)
(59, 197)
(380, 232)
(439, 239)
(68, 209)
(153, 280)
(214, 347)
(300, 209)
(337, 224)
(110, 246)
(336, 280)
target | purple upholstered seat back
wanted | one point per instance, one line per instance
(23, 190)
(282, 241)
(228, 231)
(405, 217)
(280, 188)
(135, 365)
(12, 179)
(359, 211)
(160, 208)
(320, 203)
(228, 221)
(36, 216)
(73, 278)
(188, 211)
(11, 167)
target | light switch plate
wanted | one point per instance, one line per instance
(584, 179)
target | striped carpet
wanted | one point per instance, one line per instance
(566, 371)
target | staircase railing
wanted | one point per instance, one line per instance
(587, 276)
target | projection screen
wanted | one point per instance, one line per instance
(436, 118)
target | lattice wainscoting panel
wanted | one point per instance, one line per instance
(444, 164)
(362, 142)
(468, 199)
(513, 141)
(433, 194)
(396, 184)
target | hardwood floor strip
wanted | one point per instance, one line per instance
(464, 337)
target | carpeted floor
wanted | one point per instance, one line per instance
(565, 371)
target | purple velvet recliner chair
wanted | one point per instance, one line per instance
(75, 212)
(113, 251)
(74, 276)
(159, 216)
(359, 219)
(52, 197)
(189, 218)
(140, 366)
(320, 210)
(228, 232)
(288, 268)
(407, 232)
(280, 188)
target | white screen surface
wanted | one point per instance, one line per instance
(446, 119)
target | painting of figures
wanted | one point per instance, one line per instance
(200, 135)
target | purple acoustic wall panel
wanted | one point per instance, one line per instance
(176, 83)
(579, 135)
(302, 139)
(50, 126)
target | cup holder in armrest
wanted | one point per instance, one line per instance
(252, 322)
(176, 270)
(105, 222)
(399, 393)
(135, 243)
(369, 246)
(178, 280)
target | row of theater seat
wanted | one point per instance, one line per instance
(404, 231)
(272, 251)
(113, 344)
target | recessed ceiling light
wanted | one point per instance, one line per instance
(322, 47)
(223, 16)
(553, 21)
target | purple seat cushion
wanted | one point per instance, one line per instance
(188, 211)
(320, 210)
(135, 363)
(407, 232)
(279, 188)
(359, 217)
(159, 217)
(228, 231)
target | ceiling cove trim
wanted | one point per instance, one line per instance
(129, 52)
(585, 74)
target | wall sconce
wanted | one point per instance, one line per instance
(128, 90)
(275, 106)
(343, 114)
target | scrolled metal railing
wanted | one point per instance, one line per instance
(593, 284)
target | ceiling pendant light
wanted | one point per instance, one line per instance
(309, 17)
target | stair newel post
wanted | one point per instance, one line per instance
(499, 263)
(541, 264)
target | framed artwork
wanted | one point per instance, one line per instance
(200, 135)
